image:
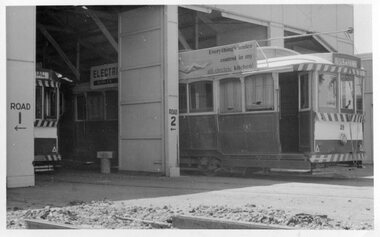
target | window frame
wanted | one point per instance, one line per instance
(362, 93)
(212, 111)
(337, 106)
(341, 109)
(44, 104)
(186, 96)
(300, 90)
(41, 97)
(101, 93)
(232, 78)
(105, 105)
(84, 94)
(273, 91)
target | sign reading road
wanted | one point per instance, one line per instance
(18, 107)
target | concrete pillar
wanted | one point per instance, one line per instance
(21, 43)
(276, 30)
(171, 90)
(148, 90)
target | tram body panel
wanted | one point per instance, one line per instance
(46, 153)
(296, 133)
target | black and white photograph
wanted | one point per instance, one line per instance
(188, 118)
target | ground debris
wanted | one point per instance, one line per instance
(106, 214)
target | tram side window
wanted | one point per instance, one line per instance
(347, 93)
(111, 105)
(359, 94)
(182, 98)
(38, 102)
(327, 92)
(95, 106)
(201, 96)
(81, 107)
(259, 92)
(230, 95)
(50, 102)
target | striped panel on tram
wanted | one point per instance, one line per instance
(334, 117)
(45, 123)
(328, 68)
(53, 157)
(47, 83)
(327, 158)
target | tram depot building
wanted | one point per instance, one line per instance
(163, 88)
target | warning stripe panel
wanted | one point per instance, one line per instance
(45, 123)
(334, 117)
(328, 68)
(336, 157)
(47, 83)
(53, 157)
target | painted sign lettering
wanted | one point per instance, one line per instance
(104, 76)
(173, 119)
(42, 75)
(20, 106)
(240, 57)
(346, 60)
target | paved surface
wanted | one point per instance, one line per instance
(346, 196)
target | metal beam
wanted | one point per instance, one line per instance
(97, 50)
(104, 29)
(208, 22)
(59, 50)
(183, 41)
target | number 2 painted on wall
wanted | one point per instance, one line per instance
(173, 118)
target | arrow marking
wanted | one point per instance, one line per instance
(17, 128)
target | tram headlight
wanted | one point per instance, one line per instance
(360, 146)
(343, 139)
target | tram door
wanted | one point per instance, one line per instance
(289, 120)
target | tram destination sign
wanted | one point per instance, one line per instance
(226, 59)
(346, 60)
(104, 76)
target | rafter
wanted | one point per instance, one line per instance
(59, 50)
(103, 29)
(90, 46)
(183, 41)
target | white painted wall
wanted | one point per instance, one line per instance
(20, 39)
(312, 17)
(148, 90)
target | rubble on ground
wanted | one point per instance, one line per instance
(109, 215)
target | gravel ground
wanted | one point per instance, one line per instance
(111, 215)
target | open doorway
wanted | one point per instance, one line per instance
(289, 120)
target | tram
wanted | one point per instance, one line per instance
(48, 109)
(245, 106)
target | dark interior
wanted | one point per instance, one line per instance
(289, 123)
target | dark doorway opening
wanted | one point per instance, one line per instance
(289, 122)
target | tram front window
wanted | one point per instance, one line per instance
(347, 93)
(327, 92)
(50, 103)
(359, 94)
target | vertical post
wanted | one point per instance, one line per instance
(275, 31)
(171, 90)
(78, 59)
(21, 70)
(196, 31)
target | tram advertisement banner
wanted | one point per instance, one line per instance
(104, 76)
(233, 58)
